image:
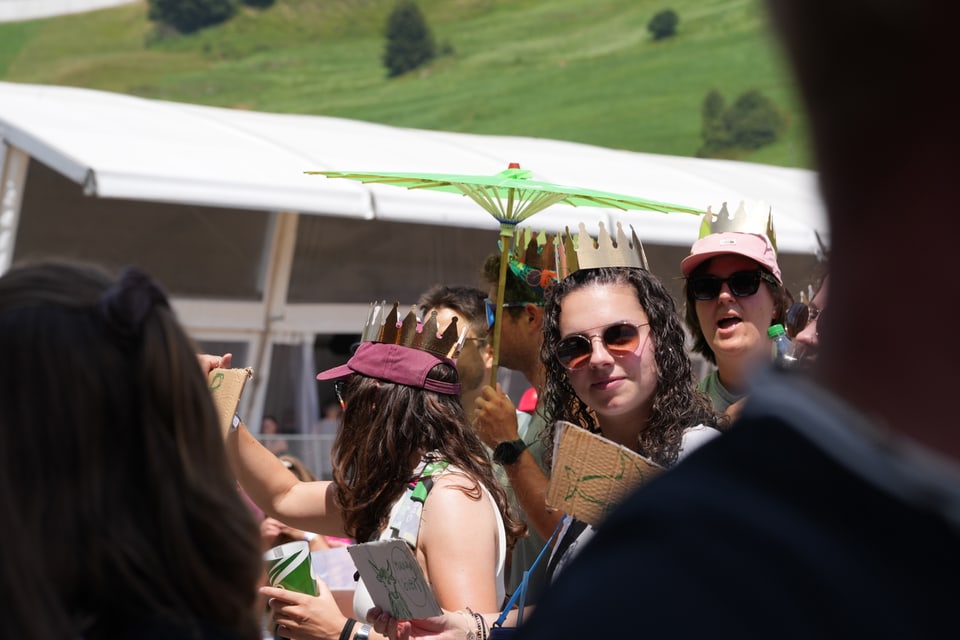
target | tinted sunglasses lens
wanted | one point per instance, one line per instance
(797, 316)
(621, 338)
(573, 352)
(744, 283)
(491, 312)
(705, 287)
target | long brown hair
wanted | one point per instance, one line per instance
(121, 509)
(386, 428)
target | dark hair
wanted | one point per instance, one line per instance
(384, 427)
(121, 508)
(465, 301)
(677, 405)
(781, 302)
(515, 289)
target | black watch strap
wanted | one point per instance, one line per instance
(508, 452)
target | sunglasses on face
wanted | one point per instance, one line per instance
(491, 307)
(741, 284)
(800, 315)
(620, 339)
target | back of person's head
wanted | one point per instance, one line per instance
(385, 425)
(514, 291)
(677, 404)
(465, 301)
(113, 474)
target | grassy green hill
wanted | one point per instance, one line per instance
(581, 70)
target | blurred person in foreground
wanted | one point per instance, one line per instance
(123, 519)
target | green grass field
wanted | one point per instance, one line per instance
(580, 70)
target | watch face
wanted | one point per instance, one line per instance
(508, 452)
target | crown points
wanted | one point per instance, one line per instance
(411, 332)
(587, 253)
(757, 220)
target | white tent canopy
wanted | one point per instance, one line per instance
(120, 146)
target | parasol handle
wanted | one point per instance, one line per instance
(506, 233)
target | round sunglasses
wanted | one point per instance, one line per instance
(799, 315)
(741, 284)
(620, 339)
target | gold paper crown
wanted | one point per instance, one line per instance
(585, 253)
(411, 332)
(533, 259)
(536, 250)
(742, 221)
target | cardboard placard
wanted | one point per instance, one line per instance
(591, 474)
(226, 385)
(394, 579)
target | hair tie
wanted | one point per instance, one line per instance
(127, 303)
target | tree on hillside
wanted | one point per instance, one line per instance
(409, 41)
(664, 24)
(187, 16)
(259, 4)
(751, 122)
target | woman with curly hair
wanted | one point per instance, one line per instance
(616, 365)
(406, 464)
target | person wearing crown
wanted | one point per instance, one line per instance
(616, 365)
(734, 291)
(515, 439)
(613, 351)
(406, 464)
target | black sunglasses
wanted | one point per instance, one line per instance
(741, 283)
(619, 339)
(800, 315)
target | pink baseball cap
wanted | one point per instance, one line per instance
(749, 245)
(394, 363)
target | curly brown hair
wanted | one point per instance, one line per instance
(386, 429)
(677, 405)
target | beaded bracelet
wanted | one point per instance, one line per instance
(347, 630)
(481, 624)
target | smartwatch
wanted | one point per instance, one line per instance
(508, 452)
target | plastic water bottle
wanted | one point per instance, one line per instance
(783, 353)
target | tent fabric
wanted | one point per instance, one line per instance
(125, 147)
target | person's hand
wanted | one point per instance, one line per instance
(305, 617)
(733, 411)
(270, 528)
(450, 625)
(496, 417)
(210, 362)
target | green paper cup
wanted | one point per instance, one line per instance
(289, 567)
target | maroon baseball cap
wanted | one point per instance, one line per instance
(395, 363)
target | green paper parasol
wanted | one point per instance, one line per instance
(511, 197)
